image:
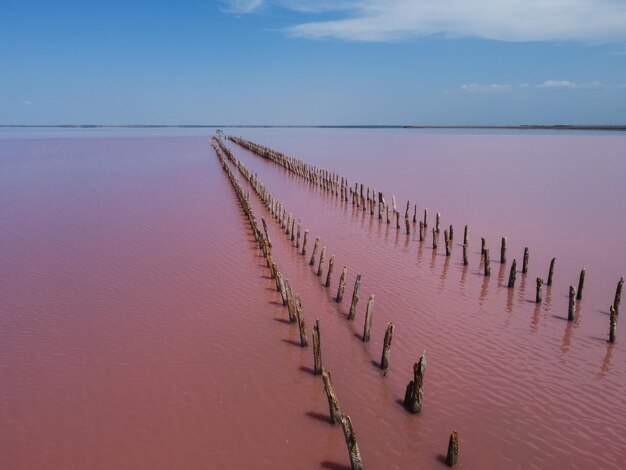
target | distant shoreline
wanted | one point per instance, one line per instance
(561, 127)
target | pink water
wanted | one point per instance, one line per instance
(139, 328)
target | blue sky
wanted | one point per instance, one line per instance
(305, 62)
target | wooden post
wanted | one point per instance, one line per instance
(465, 263)
(503, 251)
(446, 239)
(329, 276)
(482, 246)
(538, 297)
(453, 450)
(291, 305)
(320, 266)
(425, 218)
(551, 272)
(421, 231)
(398, 220)
(451, 233)
(613, 324)
(415, 389)
(572, 301)
(317, 352)
(351, 442)
(434, 239)
(306, 236)
(301, 325)
(384, 360)
(408, 226)
(388, 221)
(465, 235)
(369, 313)
(525, 262)
(415, 213)
(355, 297)
(342, 285)
(267, 236)
(333, 403)
(618, 294)
(512, 274)
(315, 245)
(487, 262)
(298, 237)
(293, 226)
(581, 285)
(406, 212)
(437, 220)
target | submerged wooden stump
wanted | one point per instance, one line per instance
(452, 456)
(512, 274)
(317, 351)
(351, 442)
(355, 297)
(369, 313)
(329, 275)
(333, 403)
(572, 301)
(551, 272)
(342, 284)
(414, 394)
(538, 296)
(384, 360)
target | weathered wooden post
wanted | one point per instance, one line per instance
(408, 226)
(465, 263)
(503, 251)
(551, 272)
(512, 274)
(298, 237)
(267, 236)
(315, 245)
(406, 212)
(301, 325)
(421, 231)
(291, 305)
(446, 239)
(306, 236)
(618, 294)
(369, 313)
(465, 235)
(425, 218)
(329, 276)
(415, 389)
(388, 221)
(320, 266)
(351, 442)
(384, 360)
(572, 301)
(613, 324)
(451, 233)
(538, 297)
(398, 220)
(581, 285)
(355, 297)
(333, 403)
(293, 226)
(434, 239)
(342, 284)
(482, 246)
(437, 220)
(415, 213)
(487, 262)
(317, 352)
(453, 450)
(525, 261)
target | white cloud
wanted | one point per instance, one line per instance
(241, 6)
(567, 85)
(28, 103)
(493, 88)
(505, 20)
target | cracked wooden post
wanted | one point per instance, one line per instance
(342, 284)
(320, 266)
(612, 324)
(301, 325)
(572, 301)
(465, 235)
(333, 403)
(487, 262)
(512, 275)
(581, 285)
(329, 276)
(503, 251)
(618, 294)
(551, 272)
(525, 261)
(355, 297)
(538, 296)
(453, 450)
(369, 313)
(384, 360)
(482, 246)
(315, 246)
(317, 352)
(465, 263)
(446, 239)
(351, 442)
(267, 236)
(415, 389)
(306, 236)
(437, 220)
(434, 239)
